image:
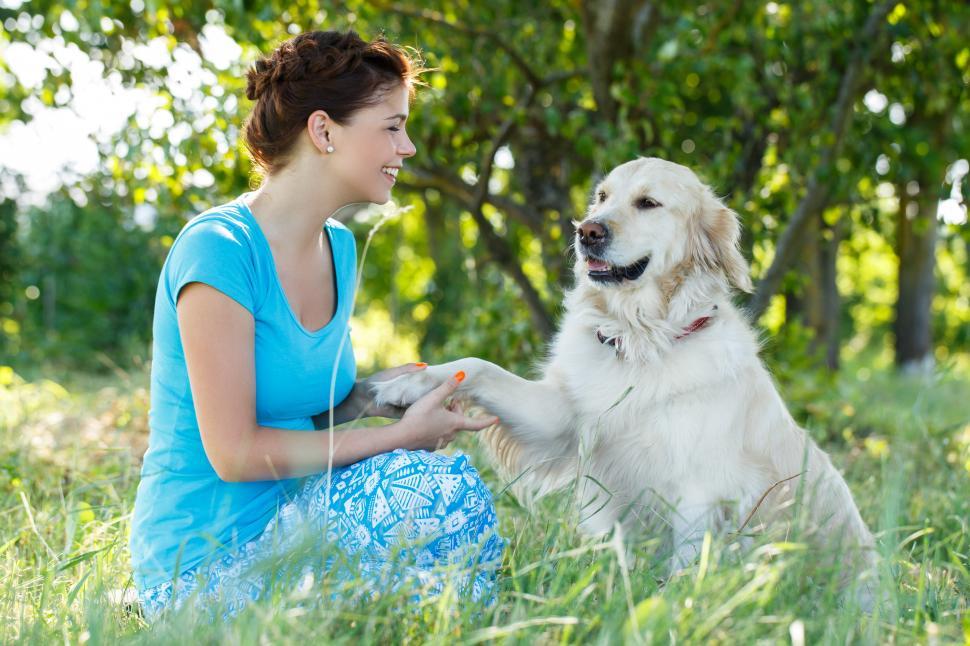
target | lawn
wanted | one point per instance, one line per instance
(69, 459)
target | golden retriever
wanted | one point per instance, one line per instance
(653, 399)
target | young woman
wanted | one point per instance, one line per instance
(251, 353)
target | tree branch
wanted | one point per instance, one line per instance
(475, 197)
(497, 247)
(435, 17)
(817, 192)
(439, 179)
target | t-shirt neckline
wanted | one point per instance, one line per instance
(338, 279)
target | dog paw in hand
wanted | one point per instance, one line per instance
(404, 390)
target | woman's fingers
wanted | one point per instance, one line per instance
(445, 440)
(452, 406)
(446, 389)
(397, 371)
(477, 423)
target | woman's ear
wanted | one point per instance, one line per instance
(319, 126)
(716, 243)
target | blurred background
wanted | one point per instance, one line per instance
(839, 131)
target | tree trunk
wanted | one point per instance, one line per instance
(916, 248)
(447, 294)
(614, 30)
(831, 299)
(816, 302)
(916, 233)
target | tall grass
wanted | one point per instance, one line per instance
(69, 455)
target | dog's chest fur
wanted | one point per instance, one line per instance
(668, 425)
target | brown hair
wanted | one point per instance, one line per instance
(339, 73)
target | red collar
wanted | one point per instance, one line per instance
(695, 325)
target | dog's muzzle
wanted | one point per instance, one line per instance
(593, 237)
(601, 271)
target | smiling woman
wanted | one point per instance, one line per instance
(252, 352)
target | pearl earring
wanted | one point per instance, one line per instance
(329, 149)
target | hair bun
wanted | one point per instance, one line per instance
(316, 56)
(258, 77)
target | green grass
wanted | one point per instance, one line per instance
(69, 456)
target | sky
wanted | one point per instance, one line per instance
(59, 145)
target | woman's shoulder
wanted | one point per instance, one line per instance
(222, 236)
(226, 221)
(218, 247)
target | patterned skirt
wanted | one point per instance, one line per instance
(399, 518)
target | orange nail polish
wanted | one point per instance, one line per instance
(421, 364)
(460, 376)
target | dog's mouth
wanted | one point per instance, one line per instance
(601, 271)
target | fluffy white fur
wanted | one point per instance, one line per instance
(689, 432)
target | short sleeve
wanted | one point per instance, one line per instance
(215, 252)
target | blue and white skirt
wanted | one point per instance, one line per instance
(398, 518)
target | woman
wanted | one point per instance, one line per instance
(251, 351)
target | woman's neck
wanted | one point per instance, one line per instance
(292, 206)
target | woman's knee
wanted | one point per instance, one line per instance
(442, 493)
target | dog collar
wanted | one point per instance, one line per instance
(696, 324)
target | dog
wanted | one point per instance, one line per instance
(653, 399)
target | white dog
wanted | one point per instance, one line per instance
(653, 399)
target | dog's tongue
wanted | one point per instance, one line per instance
(597, 265)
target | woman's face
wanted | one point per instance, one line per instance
(371, 148)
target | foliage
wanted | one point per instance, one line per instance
(525, 106)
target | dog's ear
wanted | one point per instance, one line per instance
(715, 243)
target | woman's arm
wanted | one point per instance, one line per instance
(218, 337)
(360, 402)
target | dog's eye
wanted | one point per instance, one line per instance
(646, 203)
(601, 196)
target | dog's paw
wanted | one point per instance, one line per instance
(406, 389)
(684, 558)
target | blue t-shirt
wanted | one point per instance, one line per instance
(184, 513)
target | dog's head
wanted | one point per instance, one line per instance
(649, 217)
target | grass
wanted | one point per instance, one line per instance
(69, 457)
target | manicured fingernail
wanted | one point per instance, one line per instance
(421, 364)
(460, 376)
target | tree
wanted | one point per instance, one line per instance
(526, 104)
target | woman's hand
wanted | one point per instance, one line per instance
(363, 387)
(360, 402)
(431, 424)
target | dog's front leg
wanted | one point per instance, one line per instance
(534, 443)
(690, 521)
(536, 410)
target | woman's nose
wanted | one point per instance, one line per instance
(407, 149)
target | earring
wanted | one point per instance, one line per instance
(329, 149)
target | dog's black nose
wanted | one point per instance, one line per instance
(592, 234)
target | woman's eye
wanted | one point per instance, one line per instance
(394, 128)
(646, 203)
